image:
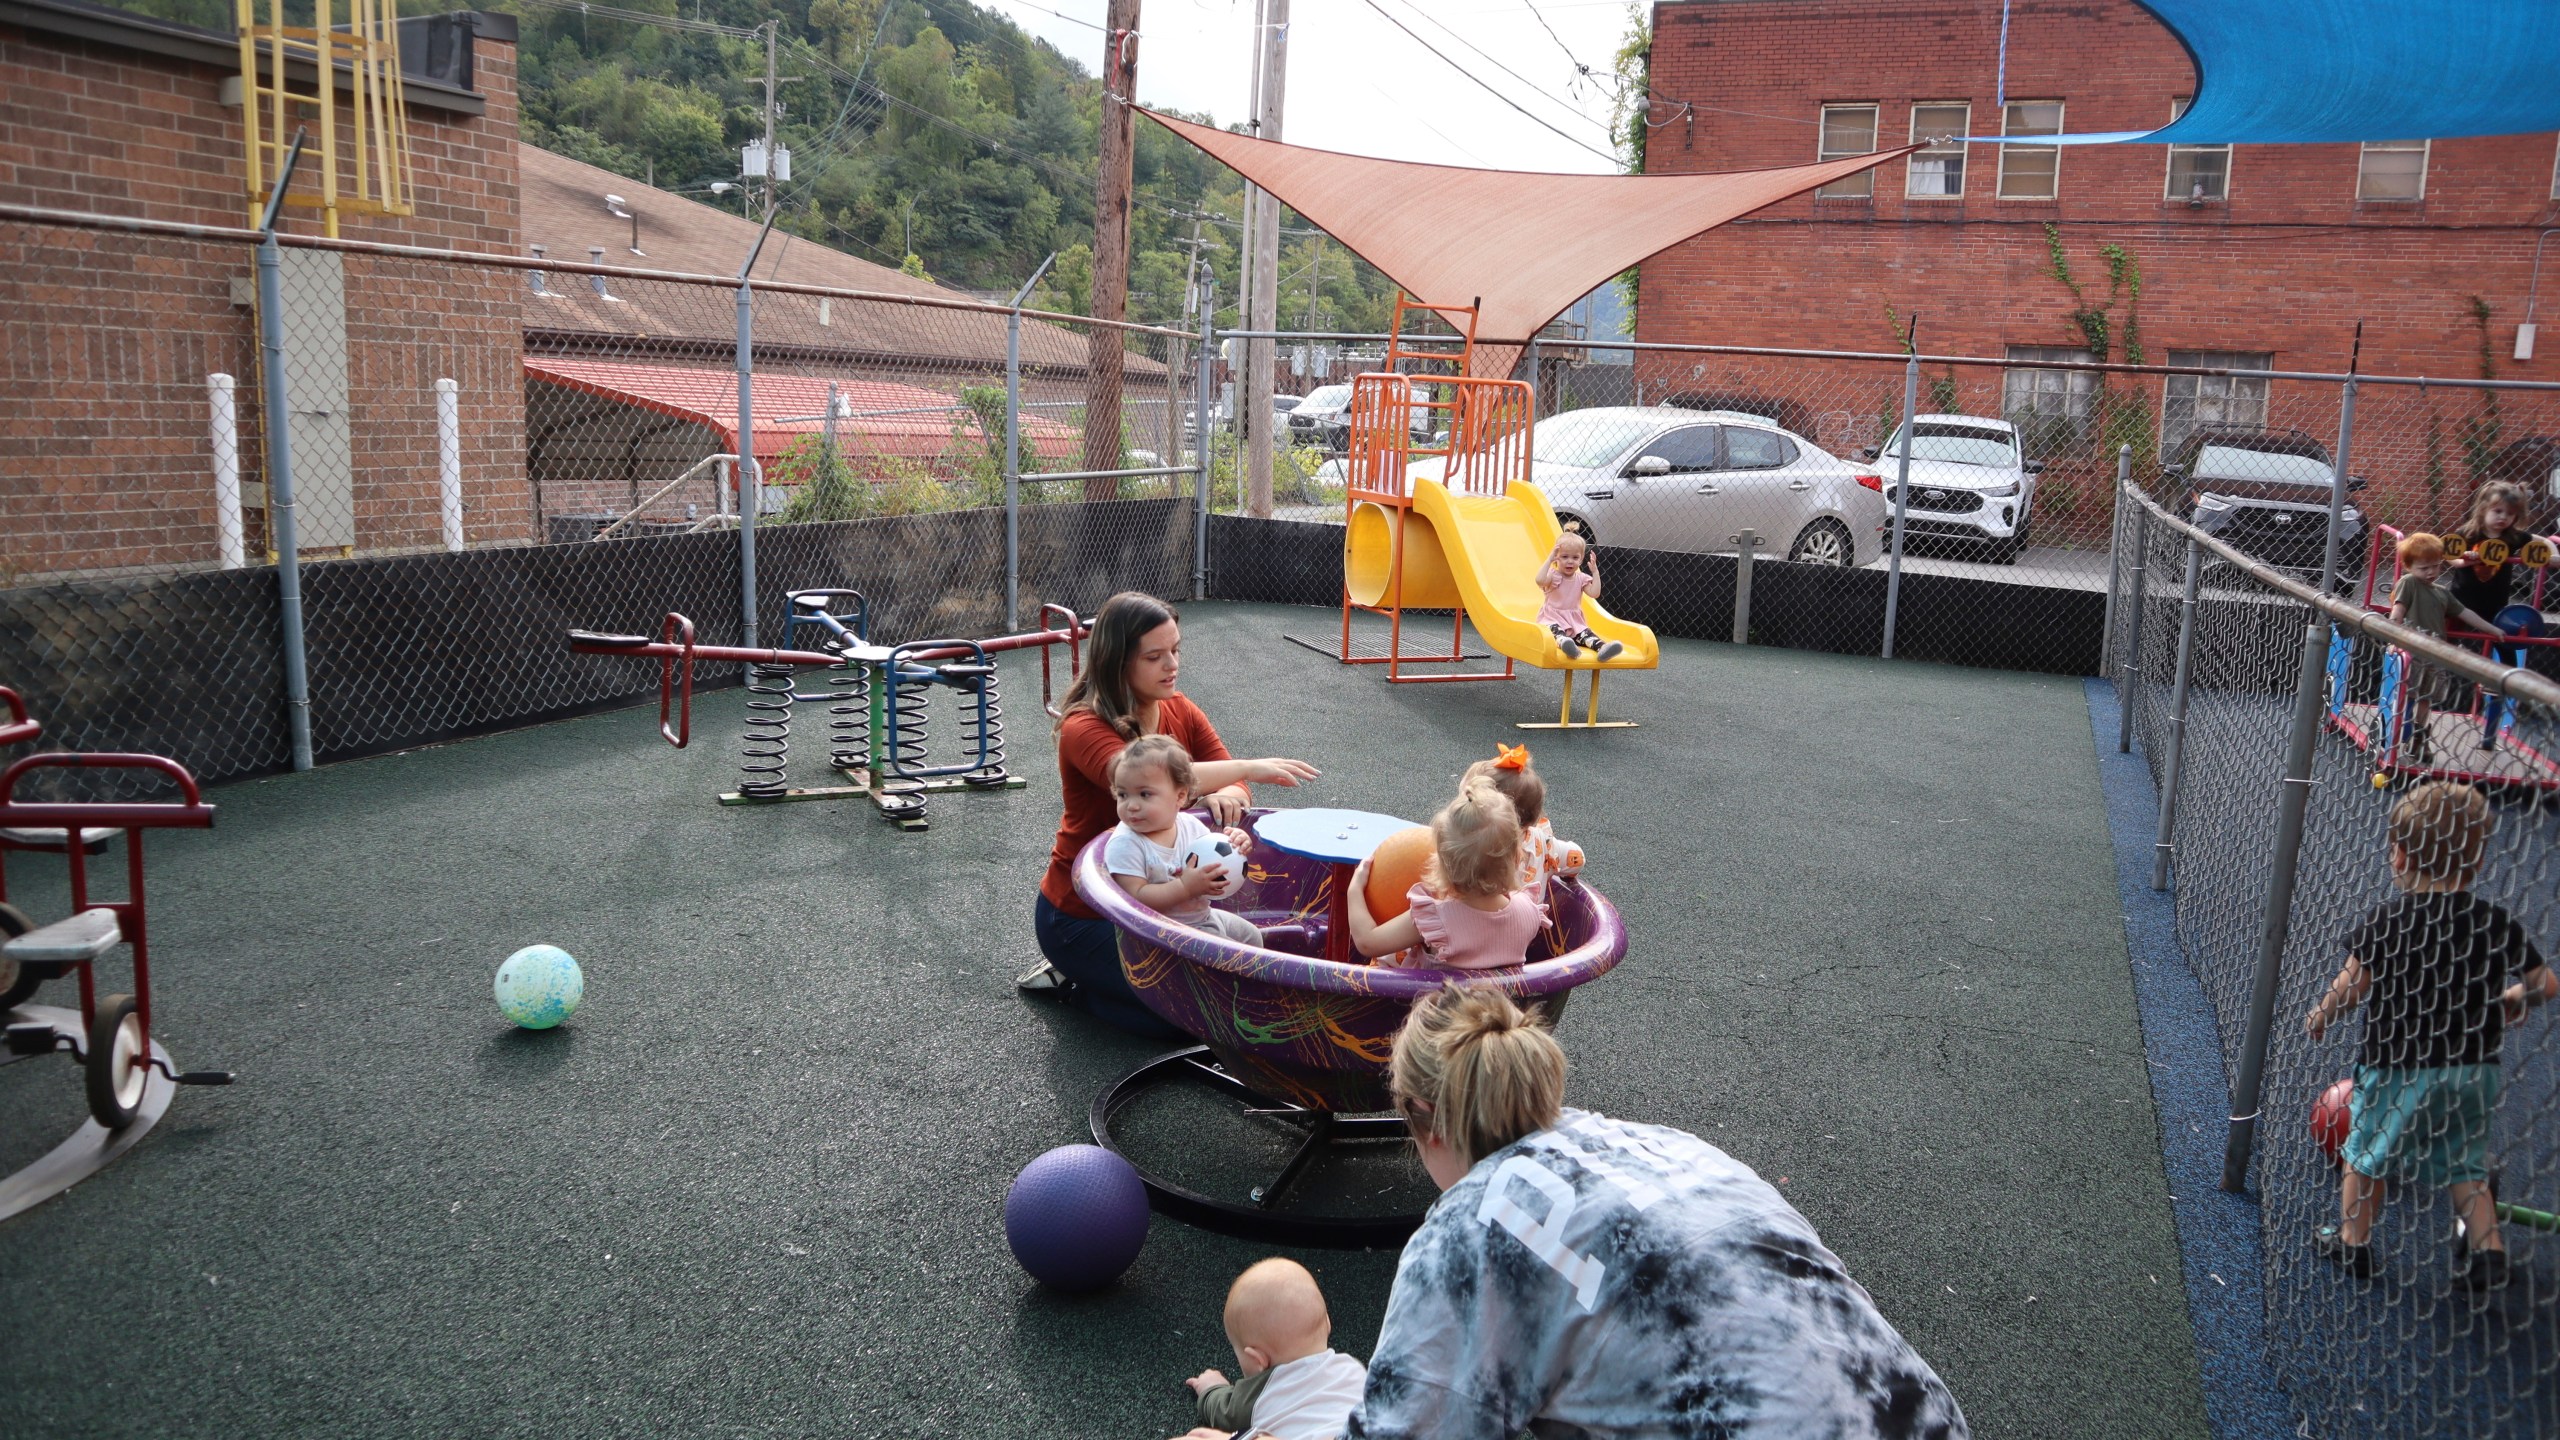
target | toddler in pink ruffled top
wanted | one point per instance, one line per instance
(1468, 911)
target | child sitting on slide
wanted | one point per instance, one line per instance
(1151, 782)
(1570, 573)
(1292, 1385)
(1542, 856)
(1468, 911)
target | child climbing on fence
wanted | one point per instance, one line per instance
(2431, 968)
(1572, 572)
(1468, 911)
(2418, 602)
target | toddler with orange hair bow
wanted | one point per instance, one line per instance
(1542, 856)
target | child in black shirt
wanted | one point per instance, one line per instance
(2430, 966)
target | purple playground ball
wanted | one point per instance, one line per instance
(1076, 1217)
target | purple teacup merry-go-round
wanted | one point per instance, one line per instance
(1299, 1037)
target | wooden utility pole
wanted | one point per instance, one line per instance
(1111, 247)
(1263, 304)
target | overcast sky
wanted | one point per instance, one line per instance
(1357, 83)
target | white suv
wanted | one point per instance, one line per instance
(1968, 482)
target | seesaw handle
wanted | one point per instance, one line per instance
(678, 631)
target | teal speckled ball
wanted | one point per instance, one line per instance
(539, 986)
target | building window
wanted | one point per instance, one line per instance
(2051, 408)
(2197, 173)
(2030, 172)
(2393, 170)
(1848, 130)
(2192, 401)
(1937, 173)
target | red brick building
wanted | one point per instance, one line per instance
(2247, 256)
(107, 340)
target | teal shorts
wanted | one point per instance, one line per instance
(2428, 1126)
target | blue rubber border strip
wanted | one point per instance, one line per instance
(2218, 1233)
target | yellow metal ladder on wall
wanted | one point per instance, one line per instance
(367, 50)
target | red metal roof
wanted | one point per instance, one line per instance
(877, 417)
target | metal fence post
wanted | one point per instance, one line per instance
(2164, 843)
(2308, 691)
(2129, 689)
(280, 514)
(449, 461)
(2338, 482)
(1200, 430)
(750, 474)
(1901, 500)
(231, 533)
(1743, 546)
(1013, 468)
(2115, 559)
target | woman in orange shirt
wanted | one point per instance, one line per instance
(1127, 689)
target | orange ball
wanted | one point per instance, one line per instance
(1394, 867)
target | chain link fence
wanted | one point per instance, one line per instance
(485, 452)
(2365, 827)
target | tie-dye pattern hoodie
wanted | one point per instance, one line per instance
(1605, 1279)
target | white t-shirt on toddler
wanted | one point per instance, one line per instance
(1129, 853)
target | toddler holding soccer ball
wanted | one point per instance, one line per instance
(1166, 858)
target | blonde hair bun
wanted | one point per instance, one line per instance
(1476, 1070)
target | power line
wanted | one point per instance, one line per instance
(1480, 83)
(638, 17)
(1525, 81)
(1578, 67)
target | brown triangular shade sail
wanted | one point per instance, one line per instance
(1520, 246)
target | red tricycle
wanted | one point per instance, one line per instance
(112, 1039)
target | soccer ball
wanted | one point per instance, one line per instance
(1216, 852)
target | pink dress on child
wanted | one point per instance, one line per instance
(1564, 603)
(1458, 936)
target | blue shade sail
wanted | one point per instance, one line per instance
(2272, 72)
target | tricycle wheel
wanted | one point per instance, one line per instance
(118, 1074)
(17, 981)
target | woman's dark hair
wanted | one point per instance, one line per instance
(1102, 687)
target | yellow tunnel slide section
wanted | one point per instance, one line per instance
(1482, 551)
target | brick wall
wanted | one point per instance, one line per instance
(2285, 266)
(105, 462)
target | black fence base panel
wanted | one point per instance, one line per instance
(413, 649)
(1950, 619)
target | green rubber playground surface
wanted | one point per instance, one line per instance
(754, 1188)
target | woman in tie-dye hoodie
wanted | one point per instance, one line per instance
(1587, 1277)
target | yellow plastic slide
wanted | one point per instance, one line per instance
(1483, 551)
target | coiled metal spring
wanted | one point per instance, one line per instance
(896, 788)
(982, 711)
(849, 718)
(767, 751)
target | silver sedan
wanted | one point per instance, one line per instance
(1661, 478)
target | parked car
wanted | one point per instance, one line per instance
(1323, 419)
(1319, 410)
(1661, 478)
(1969, 481)
(2265, 491)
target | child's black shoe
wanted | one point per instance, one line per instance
(1611, 650)
(2356, 1260)
(2483, 1271)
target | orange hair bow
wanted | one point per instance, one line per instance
(1510, 757)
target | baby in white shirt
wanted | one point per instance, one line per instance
(1151, 782)
(1295, 1386)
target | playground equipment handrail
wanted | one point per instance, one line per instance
(191, 813)
(20, 727)
(2513, 681)
(2384, 540)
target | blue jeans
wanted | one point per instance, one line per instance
(1088, 951)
